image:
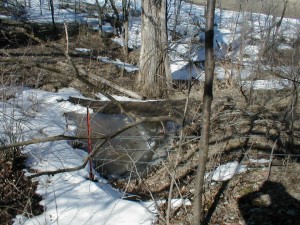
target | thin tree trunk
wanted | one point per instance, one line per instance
(164, 42)
(125, 33)
(221, 11)
(52, 15)
(100, 16)
(117, 23)
(177, 6)
(269, 41)
(278, 24)
(207, 101)
(41, 8)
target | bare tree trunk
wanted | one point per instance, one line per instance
(242, 47)
(177, 6)
(116, 22)
(207, 101)
(278, 24)
(155, 74)
(269, 41)
(221, 11)
(100, 15)
(52, 15)
(125, 33)
(41, 8)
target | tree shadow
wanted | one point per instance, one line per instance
(215, 203)
(271, 205)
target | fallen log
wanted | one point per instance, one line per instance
(116, 87)
(141, 108)
(106, 82)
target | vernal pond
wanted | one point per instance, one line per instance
(133, 152)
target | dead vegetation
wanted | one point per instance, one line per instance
(17, 191)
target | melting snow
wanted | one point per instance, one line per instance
(226, 172)
(128, 67)
(259, 160)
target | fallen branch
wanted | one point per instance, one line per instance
(43, 140)
(116, 87)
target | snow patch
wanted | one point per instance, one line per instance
(259, 160)
(128, 67)
(226, 171)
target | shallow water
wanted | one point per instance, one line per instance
(132, 152)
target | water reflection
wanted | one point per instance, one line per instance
(132, 152)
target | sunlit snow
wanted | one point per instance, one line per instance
(226, 171)
(69, 198)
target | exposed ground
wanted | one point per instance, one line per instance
(241, 130)
(17, 192)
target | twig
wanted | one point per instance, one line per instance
(43, 140)
(271, 159)
(178, 156)
(67, 37)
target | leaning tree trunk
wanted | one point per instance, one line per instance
(207, 100)
(154, 76)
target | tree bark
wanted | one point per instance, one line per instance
(100, 15)
(125, 33)
(154, 76)
(278, 24)
(207, 101)
(177, 6)
(52, 16)
(117, 23)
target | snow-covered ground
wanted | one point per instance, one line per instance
(70, 198)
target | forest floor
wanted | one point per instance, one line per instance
(262, 195)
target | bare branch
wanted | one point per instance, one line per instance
(43, 140)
